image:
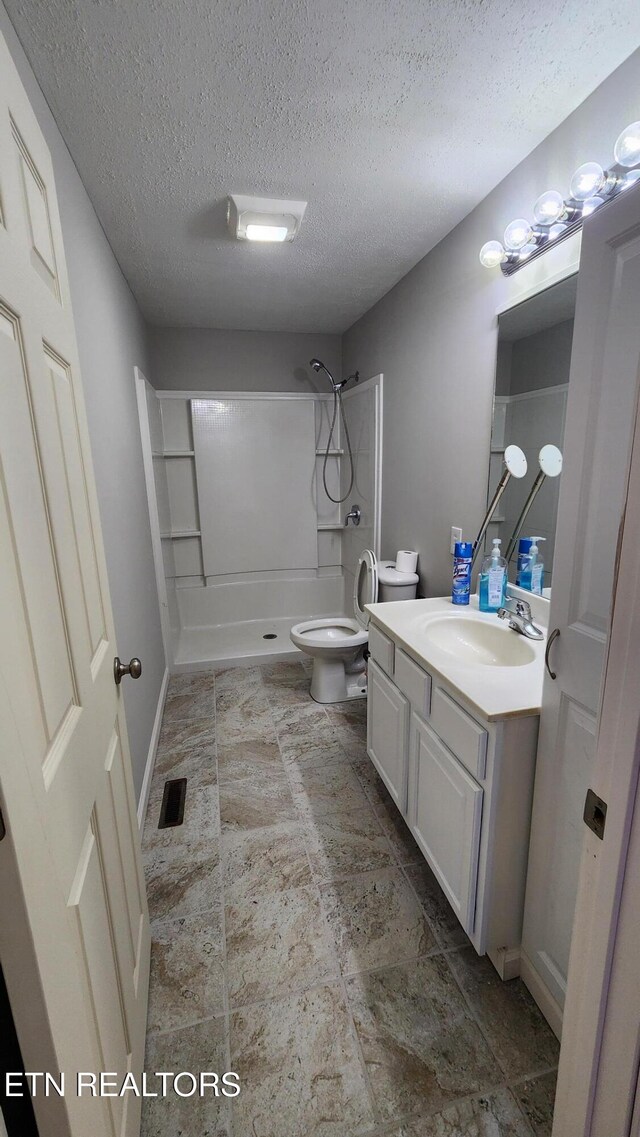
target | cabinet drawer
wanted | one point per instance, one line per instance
(460, 732)
(413, 682)
(382, 649)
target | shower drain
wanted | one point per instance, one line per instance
(270, 636)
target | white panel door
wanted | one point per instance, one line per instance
(387, 733)
(445, 819)
(255, 465)
(603, 390)
(76, 951)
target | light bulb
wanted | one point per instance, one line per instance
(492, 254)
(527, 250)
(518, 233)
(586, 181)
(630, 179)
(549, 207)
(591, 204)
(556, 230)
(627, 148)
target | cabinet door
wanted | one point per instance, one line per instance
(446, 816)
(387, 733)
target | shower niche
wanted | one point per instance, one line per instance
(246, 540)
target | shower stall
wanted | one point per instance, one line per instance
(245, 497)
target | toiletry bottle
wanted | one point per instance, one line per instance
(533, 576)
(524, 557)
(493, 580)
(462, 559)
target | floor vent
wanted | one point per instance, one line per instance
(270, 636)
(172, 812)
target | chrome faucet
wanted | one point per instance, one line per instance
(354, 515)
(518, 613)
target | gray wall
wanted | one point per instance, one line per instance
(202, 359)
(111, 340)
(434, 337)
(541, 360)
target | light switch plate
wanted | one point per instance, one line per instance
(456, 535)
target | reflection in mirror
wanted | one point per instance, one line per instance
(532, 381)
(550, 461)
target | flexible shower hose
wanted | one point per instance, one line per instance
(337, 399)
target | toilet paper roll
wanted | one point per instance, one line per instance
(406, 560)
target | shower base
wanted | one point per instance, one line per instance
(241, 644)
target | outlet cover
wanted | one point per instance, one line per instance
(456, 535)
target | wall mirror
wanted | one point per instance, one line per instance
(530, 399)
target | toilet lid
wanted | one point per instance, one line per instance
(365, 586)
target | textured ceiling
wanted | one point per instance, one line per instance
(392, 119)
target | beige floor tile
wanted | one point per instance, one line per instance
(446, 926)
(342, 845)
(375, 920)
(421, 1046)
(299, 1069)
(247, 759)
(242, 715)
(495, 1115)
(330, 788)
(537, 1098)
(260, 861)
(519, 1036)
(182, 881)
(193, 703)
(202, 1047)
(399, 835)
(252, 803)
(276, 944)
(187, 971)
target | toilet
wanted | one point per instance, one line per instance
(337, 644)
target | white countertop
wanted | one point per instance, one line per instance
(495, 692)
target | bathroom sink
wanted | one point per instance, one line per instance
(476, 641)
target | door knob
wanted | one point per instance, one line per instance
(132, 668)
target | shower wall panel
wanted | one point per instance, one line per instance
(255, 469)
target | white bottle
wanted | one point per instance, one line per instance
(493, 580)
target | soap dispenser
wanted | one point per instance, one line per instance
(493, 580)
(533, 575)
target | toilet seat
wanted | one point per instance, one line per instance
(334, 632)
(365, 587)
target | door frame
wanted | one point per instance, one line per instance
(599, 1057)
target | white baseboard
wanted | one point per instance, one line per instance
(151, 756)
(549, 1005)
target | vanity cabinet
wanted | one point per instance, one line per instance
(464, 786)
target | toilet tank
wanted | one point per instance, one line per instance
(394, 585)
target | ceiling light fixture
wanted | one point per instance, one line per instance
(555, 217)
(264, 218)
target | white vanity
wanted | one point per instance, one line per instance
(453, 706)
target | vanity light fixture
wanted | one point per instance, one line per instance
(555, 217)
(264, 218)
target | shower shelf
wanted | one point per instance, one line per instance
(330, 525)
(332, 453)
(179, 454)
(179, 533)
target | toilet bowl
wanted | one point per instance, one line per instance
(336, 644)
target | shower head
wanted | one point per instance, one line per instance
(318, 365)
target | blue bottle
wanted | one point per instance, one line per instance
(531, 577)
(462, 559)
(524, 558)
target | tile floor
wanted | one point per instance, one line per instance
(300, 940)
